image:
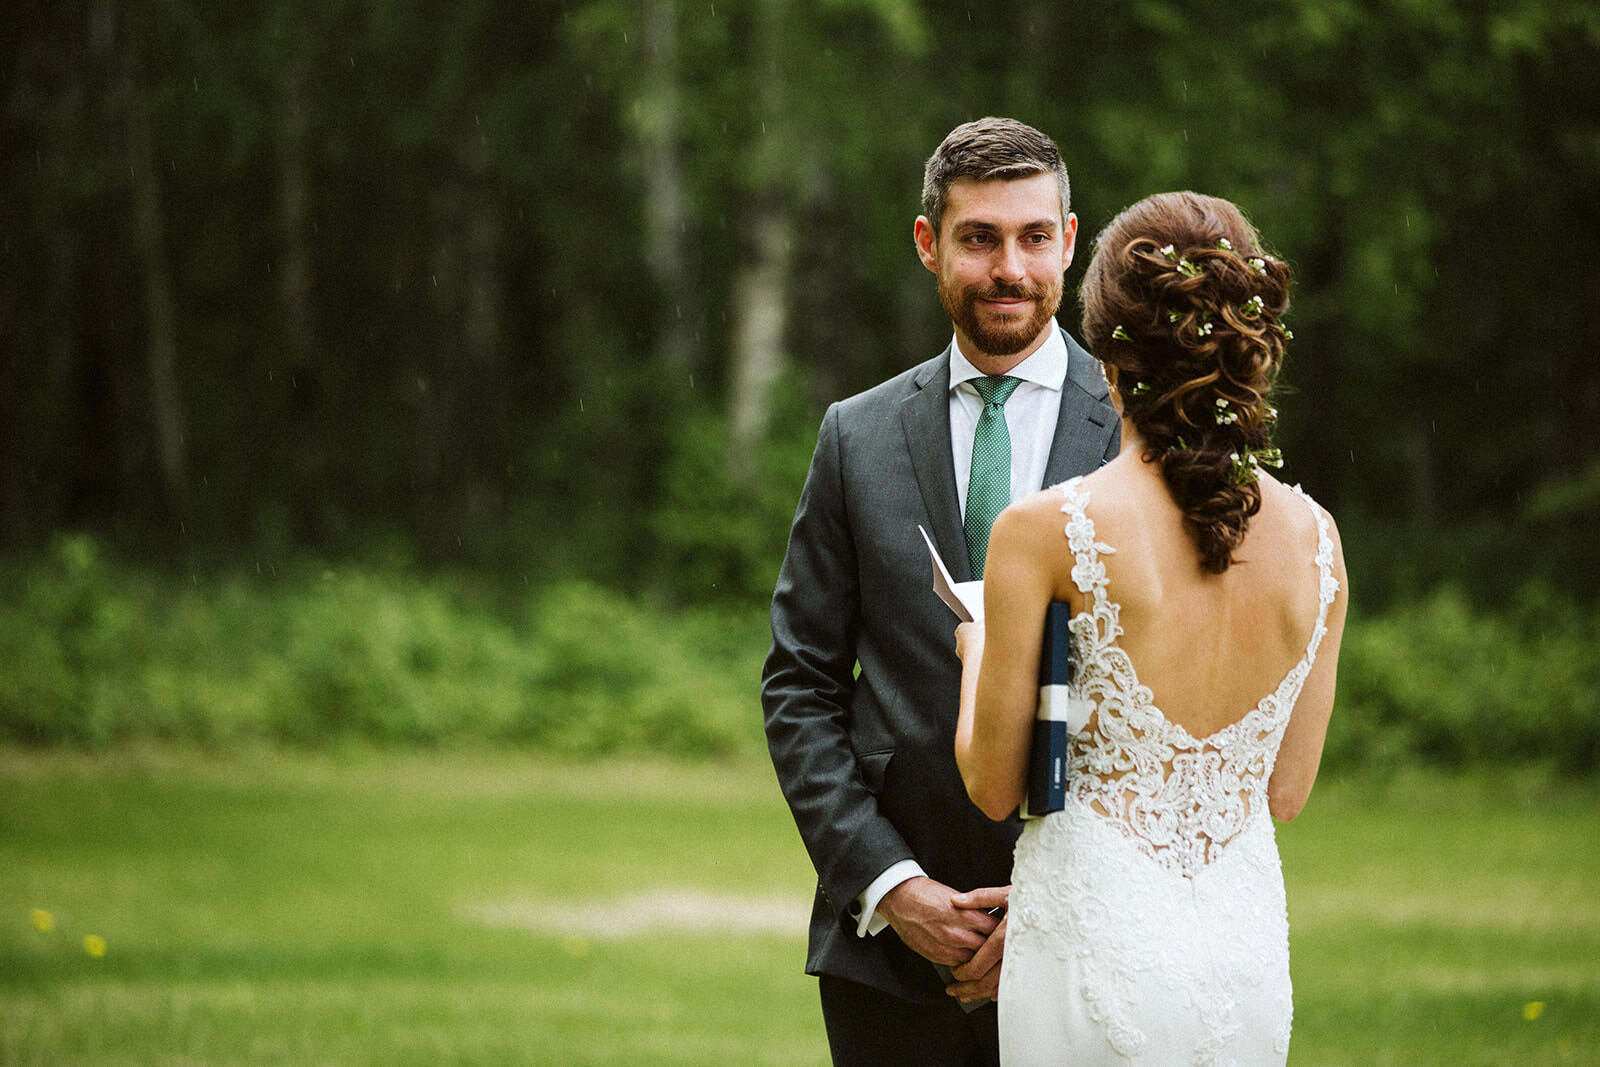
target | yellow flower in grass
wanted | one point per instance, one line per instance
(94, 945)
(1532, 1010)
(43, 921)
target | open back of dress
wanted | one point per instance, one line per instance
(1147, 918)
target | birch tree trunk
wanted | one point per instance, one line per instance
(761, 309)
(659, 128)
(149, 228)
(762, 285)
(295, 278)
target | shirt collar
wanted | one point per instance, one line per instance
(1047, 366)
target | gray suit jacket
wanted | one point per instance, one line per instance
(866, 760)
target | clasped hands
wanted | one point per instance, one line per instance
(954, 929)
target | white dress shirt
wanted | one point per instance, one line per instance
(1031, 415)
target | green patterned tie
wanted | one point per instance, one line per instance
(989, 489)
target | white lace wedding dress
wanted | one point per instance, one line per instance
(1147, 919)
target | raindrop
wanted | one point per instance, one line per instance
(580, 403)
(679, 309)
(197, 85)
(624, 36)
(435, 278)
(691, 381)
(1352, 455)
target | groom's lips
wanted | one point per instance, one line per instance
(1007, 303)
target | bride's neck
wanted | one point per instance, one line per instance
(1132, 439)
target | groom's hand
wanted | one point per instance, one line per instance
(925, 916)
(979, 977)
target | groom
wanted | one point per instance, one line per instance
(860, 687)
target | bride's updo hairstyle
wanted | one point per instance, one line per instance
(1180, 298)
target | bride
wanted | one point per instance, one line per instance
(1146, 921)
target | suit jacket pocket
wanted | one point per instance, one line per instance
(874, 767)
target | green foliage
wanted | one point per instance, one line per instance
(723, 535)
(93, 653)
(1440, 681)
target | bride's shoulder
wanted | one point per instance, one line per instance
(1123, 493)
(1295, 504)
(1301, 514)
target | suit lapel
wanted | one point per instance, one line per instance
(1085, 419)
(925, 417)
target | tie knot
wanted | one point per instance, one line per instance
(996, 388)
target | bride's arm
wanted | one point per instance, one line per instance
(1301, 751)
(1000, 662)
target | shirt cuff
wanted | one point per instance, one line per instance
(869, 922)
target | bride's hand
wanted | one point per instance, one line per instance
(979, 977)
(969, 640)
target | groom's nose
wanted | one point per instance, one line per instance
(1008, 264)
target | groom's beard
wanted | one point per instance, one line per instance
(994, 333)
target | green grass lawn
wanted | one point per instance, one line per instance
(494, 909)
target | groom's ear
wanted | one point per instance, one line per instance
(927, 242)
(1069, 235)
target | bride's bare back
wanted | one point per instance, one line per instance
(1208, 646)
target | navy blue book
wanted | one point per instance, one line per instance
(1052, 732)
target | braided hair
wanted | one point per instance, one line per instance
(1182, 301)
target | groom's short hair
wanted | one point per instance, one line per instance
(989, 149)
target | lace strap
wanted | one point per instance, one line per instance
(1327, 584)
(1088, 573)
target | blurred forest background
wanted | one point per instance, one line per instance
(418, 374)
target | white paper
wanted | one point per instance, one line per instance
(964, 598)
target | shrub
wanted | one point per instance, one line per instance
(91, 653)
(1440, 682)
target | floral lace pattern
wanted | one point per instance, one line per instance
(1147, 919)
(1179, 797)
